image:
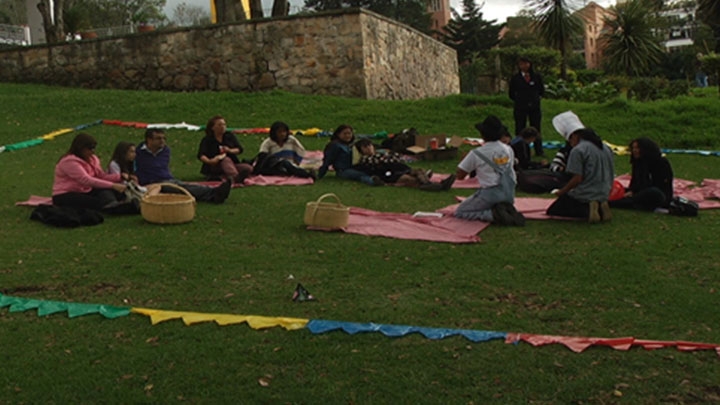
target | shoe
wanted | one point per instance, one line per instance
(313, 174)
(428, 173)
(518, 218)
(594, 214)
(221, 192)
(377, 181)
(605, 214)
(447, 183)
(501, 215)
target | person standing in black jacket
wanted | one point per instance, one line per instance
(526, 90)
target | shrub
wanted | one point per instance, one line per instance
(588, 76)
(677, 88)
(647, 88)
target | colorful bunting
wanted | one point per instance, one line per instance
(318, 326)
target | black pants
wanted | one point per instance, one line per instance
(534, 115)
(566, 206)
(96, 199)
(646, 200)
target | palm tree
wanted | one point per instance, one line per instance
(708, 11)
(631, 45)
(556, 24)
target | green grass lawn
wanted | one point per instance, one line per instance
(644, 275)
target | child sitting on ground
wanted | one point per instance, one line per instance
(339, 154)
(389, 167)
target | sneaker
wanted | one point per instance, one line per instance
(501, 215)
(594, 214)
(447, 183)
(221, 192)
(605, 213)
(377, 181)
(428, 173)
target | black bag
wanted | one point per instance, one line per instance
(400, 141)
(683, 207)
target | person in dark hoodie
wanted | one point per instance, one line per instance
(651, 185)
(526, 90)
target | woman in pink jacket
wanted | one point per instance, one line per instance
(81, 182)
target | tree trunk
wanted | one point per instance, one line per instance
(229, 11)
(280, 8)
(256, 10)
(54, 31)
(563, 60)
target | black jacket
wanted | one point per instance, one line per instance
(527, 95)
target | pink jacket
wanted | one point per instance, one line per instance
(74, 175)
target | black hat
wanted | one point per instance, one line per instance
(491, 129)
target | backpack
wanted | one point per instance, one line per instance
(268, 165)
(400, 141)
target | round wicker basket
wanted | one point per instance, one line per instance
(165, 208)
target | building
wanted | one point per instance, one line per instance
(440, 10)
(593, 15)
(682, 28)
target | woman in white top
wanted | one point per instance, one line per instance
(281, 153)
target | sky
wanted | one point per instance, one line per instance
(492, 9)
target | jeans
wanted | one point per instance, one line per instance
(356, 175)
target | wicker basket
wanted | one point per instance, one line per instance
(165, 208)
(330, 215)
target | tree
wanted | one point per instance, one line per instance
(54, 27)
(708, 11)
(228, 11)
(410, 12)
(556, 24)
(520, 33)
(187, 15)
(280, 8)
(469, 34)
(114, 13)
(256, 10)
(632, 48)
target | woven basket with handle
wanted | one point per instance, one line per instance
(330, 215)
(166, 208)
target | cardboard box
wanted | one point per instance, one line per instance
(446, 149)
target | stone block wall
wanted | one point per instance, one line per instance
(353, 53)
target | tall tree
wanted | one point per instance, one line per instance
(556, 24)
(708, 11)
(469, 34)
(632, 47)
(280, 8)
(52, 17)
(410, 12)
(188, 15)
(225, 11)
(256, 9)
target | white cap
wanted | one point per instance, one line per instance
(566, 123)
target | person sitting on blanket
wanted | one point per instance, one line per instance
(521, 147)
(390, 168)
(80, 181)
(123, 160)
(152, 165)
(651, 185)
(219, 150)
(338, 153)
(281, 153)
(493, 165)
(537, 177)
(591, 165)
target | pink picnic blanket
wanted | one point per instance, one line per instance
(261, 180)
(405, 226)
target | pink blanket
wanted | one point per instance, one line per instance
(261, 180)
(405, 226)
(707, 194)
(34, 201)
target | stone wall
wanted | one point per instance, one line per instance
(353, 53)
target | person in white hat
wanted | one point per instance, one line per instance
(493, 167)
(592, 168)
